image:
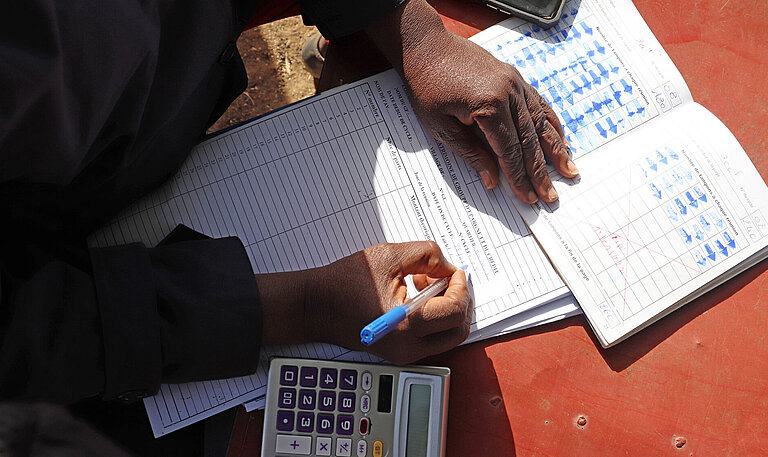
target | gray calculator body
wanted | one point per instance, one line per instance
(350, 409)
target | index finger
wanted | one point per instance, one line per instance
(415, 257)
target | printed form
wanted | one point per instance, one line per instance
(654, 222)
(600, 68)
(325, 178)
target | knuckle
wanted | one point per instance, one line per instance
(432, 248)
(474, 160)
(539, 119)
(519, 178)
(539, 170)
(529, 141)
(490, 104)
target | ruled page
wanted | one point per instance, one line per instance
(325, 178)
(652, 223)
(600, 68)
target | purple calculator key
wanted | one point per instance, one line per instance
(328, 378)
(286, 398)
(327, 400)
(285, 421)
(307, 399)
(305, 422)
(308, 377)
(348, 380)
(344, 424)
(325, 424)
(288, 375)
(347, 402)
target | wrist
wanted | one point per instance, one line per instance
(283, 298)
(402, 34)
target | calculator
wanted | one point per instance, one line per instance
(351, 409)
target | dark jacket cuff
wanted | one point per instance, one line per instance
(180, 312)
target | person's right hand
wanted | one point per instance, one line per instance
(357, 289)
(333, 303)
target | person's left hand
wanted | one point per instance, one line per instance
(480, 107)
(473, 102)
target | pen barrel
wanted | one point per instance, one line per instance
(425, 295)
(385, 323)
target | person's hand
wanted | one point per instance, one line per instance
(480, 107)
(333, 303)
(357, 289)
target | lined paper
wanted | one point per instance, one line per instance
(600, 68)
(651, 225)
(323, 179)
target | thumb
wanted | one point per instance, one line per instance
(460, 139)
(423, 257)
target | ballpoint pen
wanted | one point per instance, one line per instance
(389, 320)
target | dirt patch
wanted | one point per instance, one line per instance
(276, 74)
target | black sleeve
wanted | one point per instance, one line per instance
(179, 312)
(338, 18)
(98, 105)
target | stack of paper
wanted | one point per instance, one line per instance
(334, 174)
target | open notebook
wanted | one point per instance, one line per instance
(668, 205)
(333, 174)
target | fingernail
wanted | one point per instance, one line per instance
(486, 177)
(532, 197)
(572, 167)
(552, 194)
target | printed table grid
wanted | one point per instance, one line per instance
(579, 75)
(663, 258)
(272, 144)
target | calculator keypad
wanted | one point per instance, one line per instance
(328, 377)
(323, 401)
(308, 377)
(288, 375)
(307, 399)
(326, 400)
(348, 380)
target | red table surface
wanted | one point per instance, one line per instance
(694, 383)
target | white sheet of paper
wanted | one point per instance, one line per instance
(325, 178)
(652, 224)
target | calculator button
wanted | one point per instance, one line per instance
(286, 398)
(344, 425)
(307, 399)
(347, 402)
(328, 378)
(366, 380)
(365, 403)
(308, 377)
(288, 375)
(365, 425)
(325, 424)
(323, 446)
(305, 422)
(348, 380)
(285, 421)
(290, 444)
(326, 400)
(362, 448)
(378, 448)
(343, 447)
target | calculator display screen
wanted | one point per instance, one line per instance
(418, 420)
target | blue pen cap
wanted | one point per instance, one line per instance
(382, 325)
